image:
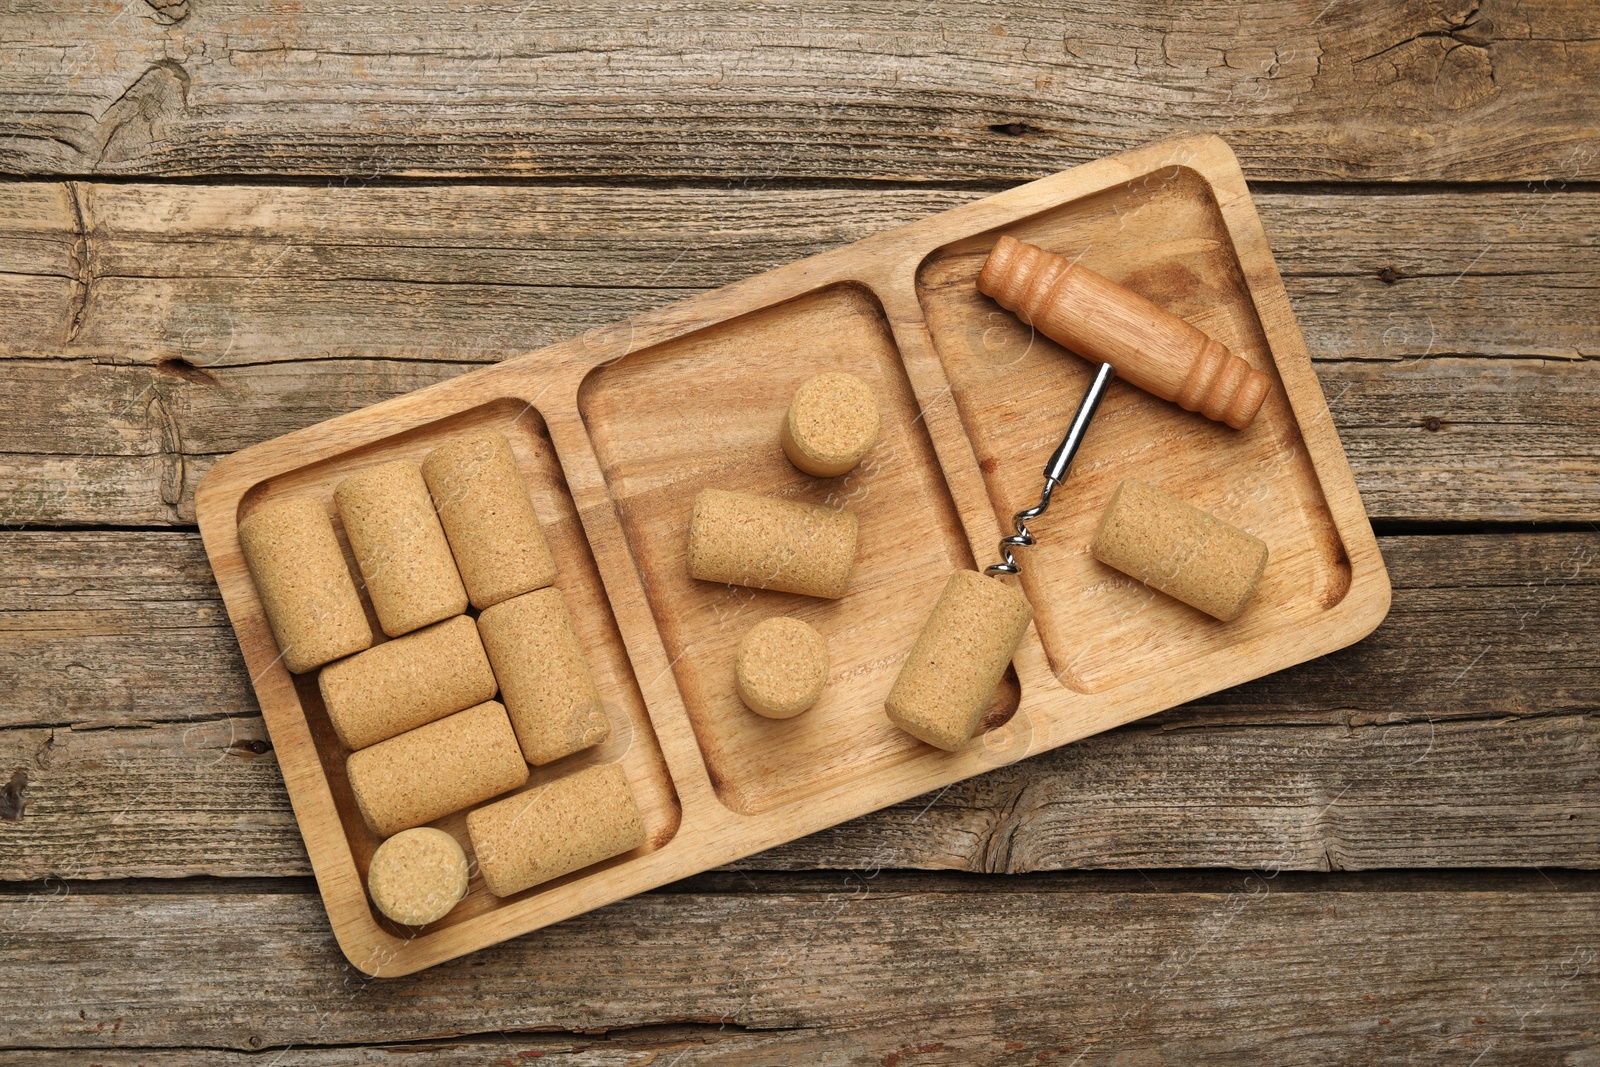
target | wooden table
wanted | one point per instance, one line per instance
(226, 219)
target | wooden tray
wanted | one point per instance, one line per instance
(618, 429)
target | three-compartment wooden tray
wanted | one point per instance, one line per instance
(617, 430)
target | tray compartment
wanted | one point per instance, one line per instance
(1163, 236)
(632, 739)
(727, 387)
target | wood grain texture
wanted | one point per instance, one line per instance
(1461, 733)
(132, 620)
(868, 970)
(1438, 439)
(1360, 89)
(198, 798)
(232, 275)
(1464, 732)
(194, 321)
(197, 321)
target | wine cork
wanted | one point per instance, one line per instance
(406, 682)
(1184, 552)
(400, 547)
(765, 543)
(489, 519)
(832, 422)
(310, 599)
(544, 678)
(417, 876)
(545, 832)
(427, 773)
(958, 660)
(781, 667)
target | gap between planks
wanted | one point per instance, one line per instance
(1145, 880)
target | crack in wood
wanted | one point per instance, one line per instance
(1469, 30)
(168, 12)
(1456, 71)
(1002, 839)
(160, 92)
(80, 260)
(178, 367)
(171, 455)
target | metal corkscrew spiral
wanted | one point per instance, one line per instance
(1055, 472)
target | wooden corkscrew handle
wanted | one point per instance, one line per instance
(1108, 323)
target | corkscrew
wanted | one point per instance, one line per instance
(1055, 472)
(975, 629)
(1148, 346)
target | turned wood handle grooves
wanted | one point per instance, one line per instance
(1103, 321)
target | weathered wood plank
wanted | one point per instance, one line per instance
(1462, 733)
(231, 275)
(103, 800)
(1359, 89)
(1471, 440)
(1480, 626)
(1385, 973)
(178, 800)
(114, 629)
(1443, 273)
(196, 321)
(1436, 439)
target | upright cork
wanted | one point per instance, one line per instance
(404, 557)
(1184, 552)
(406, 683)
(445, 766)
(417, 876)
(575, 821)
(957, 663)
(766, 543)
(831, 423)
(781, 667)
(544, 677)
(489, 519)
(310, 600)
(1105, 322)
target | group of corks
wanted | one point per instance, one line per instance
(427, 738)
(418, 713)
(762, 542)
(781, 666)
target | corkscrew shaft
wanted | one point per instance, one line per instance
(1055, 472)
